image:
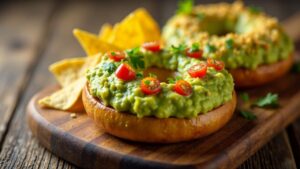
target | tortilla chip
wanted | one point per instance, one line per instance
(105, 32)
(128, 33)
(69, 97)
(67, 71)
(91, 43)
(137, 28)
(149, 25)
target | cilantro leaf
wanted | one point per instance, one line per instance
(178, 49)
(109, 67)
(296, 67)
(245, 96)
(269, 100)
(195, 47)
(247, 115)
(229, 44)
(254, 9)
(135, 58)
(139, 75)
(185, 6)
(208, 48)
(147, 82)
(171, 80)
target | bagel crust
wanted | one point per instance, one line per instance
(156, 130)
(262, 74)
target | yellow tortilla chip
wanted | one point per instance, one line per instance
(105, 32)
(67, 71)
(149, 25)
(137, 28)
(128, 33)
(69, 97)
(91, 43)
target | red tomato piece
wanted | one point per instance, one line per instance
(183, 88)
(125, 72)
(198, 70)
(150, 86)
(216, 64)
(116, 56)
(194, 54)
(152, 46)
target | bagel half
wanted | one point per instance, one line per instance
(261, 75)
(155, 130)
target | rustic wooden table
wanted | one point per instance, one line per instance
(36, 34)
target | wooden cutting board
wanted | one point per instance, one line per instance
(80, 142)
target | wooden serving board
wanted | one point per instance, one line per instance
(80, 142)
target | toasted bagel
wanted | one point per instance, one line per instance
(156, 130)
(262, 74)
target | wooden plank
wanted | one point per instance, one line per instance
(294, 135)
(20, 149)
(275, 154)
(19, 46)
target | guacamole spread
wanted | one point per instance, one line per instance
(243, 37)
(208, 92)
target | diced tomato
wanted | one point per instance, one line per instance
(150, 86)
(183, 88)
(198, 70)
(116, 56)
(152, 46)
(194, 54)
(125, 72)
(216, 64)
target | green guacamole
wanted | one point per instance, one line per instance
(208, 93)
(241, 36)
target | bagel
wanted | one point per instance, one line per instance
(127, 101)
(262, 74)
(245, 39)
(154, 130)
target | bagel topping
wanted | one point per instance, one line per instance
(198, 70)
(116, 56)
(151, 46)
(150, 85)
(183, 88)
(131, 86)
(125, 72)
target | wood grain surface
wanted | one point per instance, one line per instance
(34, 34)
(79, 141)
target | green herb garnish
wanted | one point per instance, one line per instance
(296, 67)
(195, 47)
(185, 6)
(178, 49)
(171, 80)
(147, 82)
(113, 53)
(139, 75)
(109, 67)
(245, 96)
(135, 58)
(247, 115)
(209, 48)
(254, 9)
(229, 44)
(270, 100)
